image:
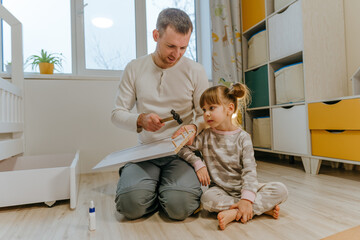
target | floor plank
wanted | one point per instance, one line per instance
(318, 206)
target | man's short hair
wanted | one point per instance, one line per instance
(175, 18)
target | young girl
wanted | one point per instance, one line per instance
(228, 153)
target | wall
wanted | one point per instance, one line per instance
(352, 32)
(65, 115)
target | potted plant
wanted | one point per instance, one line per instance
(47, 62)
(8, 67)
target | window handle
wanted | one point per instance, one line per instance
(81, 12)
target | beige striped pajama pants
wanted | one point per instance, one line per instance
(216, 199)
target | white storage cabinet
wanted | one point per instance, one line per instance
(308, 31)
(33, 179)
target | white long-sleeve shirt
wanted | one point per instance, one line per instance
(157, 90)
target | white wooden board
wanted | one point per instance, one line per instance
(158, 149)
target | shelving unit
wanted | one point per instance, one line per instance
(304, 31)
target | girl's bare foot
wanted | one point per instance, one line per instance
(275, 212)
(226, 217)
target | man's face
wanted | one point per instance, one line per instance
(170, 47)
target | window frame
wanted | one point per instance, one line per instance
(78, 39)
(203, 38)
(1, 44)
(202, 16)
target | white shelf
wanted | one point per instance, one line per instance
(254, 29)
(324, 69)
(255, 67)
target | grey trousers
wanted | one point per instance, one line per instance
(169, 183)
(216, 199)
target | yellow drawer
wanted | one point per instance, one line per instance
(253, 12)
(342, 145)
(341, 115)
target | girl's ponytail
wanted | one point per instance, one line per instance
(241, 93)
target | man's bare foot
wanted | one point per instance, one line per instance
(275, 212)
(226, 217)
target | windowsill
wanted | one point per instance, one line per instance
(60, 76)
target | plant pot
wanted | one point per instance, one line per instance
(8, 68)
(46, 68)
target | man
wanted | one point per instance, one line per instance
(157, 83)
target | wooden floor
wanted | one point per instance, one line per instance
(318, 206)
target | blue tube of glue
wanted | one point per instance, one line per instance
(92, 218)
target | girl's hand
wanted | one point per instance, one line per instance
(203, 176)
(182, 129)
(245, 210)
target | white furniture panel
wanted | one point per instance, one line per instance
(11, 94)
(143, 152)
(10, 147)
(33, 179)
(11, 120)
(289, 129)
(285, 32)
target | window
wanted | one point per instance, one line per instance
(109, 43)
(154, 7)
(46, 25)
(100, 37)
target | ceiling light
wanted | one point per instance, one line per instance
(101, 22)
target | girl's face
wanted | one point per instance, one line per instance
(218, 116)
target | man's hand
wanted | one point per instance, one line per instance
(203, 176)
(150, 122)
(245, 210)
(182, 129)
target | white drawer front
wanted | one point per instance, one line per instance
(285, 32)
(289, 129)
(43, 178)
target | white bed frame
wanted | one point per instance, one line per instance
(28, 179)
(11, 95)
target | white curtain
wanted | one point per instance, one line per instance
(226, 41)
